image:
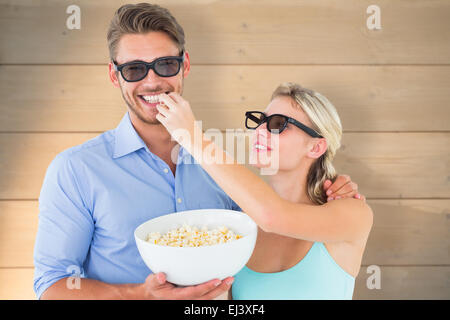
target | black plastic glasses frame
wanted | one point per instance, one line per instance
(251, 115)
(150, 65)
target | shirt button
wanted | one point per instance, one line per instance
(179, 200)
(166, 170)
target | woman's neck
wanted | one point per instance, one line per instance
(291, 185)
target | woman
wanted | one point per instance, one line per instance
(307, 248)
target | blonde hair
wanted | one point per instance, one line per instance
(142, 18)
(325, 120)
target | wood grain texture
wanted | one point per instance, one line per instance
(409, 232)
(240, 32)
(368, 98)
(24, 159)
(18, 227)
(406, 283)
(16, 284)
(397, 165)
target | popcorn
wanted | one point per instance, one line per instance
(188, 236)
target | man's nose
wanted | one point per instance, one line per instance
(152, 77)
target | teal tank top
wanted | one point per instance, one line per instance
(316, 277)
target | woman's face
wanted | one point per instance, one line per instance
(292, 145)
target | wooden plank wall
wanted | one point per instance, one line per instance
(390, 87)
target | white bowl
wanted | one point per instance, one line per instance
(187, 266)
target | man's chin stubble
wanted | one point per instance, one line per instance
(144, 120)
(134, 110)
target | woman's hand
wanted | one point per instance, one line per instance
(176, 115)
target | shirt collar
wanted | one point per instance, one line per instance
(183, 153)
(127, 139)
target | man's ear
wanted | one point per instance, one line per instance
(318, 148)
(113, 75)
(186, 64)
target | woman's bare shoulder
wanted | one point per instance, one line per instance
(351, 206)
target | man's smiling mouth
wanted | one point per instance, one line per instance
(151, 99)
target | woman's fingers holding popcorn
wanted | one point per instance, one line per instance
(168, 101)
(176, 97)
(163, 110)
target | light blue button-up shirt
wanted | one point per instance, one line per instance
(95, 195)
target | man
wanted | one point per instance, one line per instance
(96, 194)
